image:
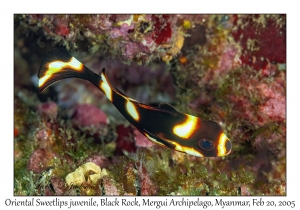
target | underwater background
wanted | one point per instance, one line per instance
(70, 140)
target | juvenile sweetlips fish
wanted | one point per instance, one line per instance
(161, 124)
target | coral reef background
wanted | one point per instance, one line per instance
(228, 68)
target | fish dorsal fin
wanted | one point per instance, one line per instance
(166, 107)
(105, 79)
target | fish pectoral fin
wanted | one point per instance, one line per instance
(156, 139)
(159, 107)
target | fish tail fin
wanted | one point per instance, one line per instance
(59, 64)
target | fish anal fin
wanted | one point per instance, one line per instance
(156, 139)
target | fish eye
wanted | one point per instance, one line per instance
(206, 144)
